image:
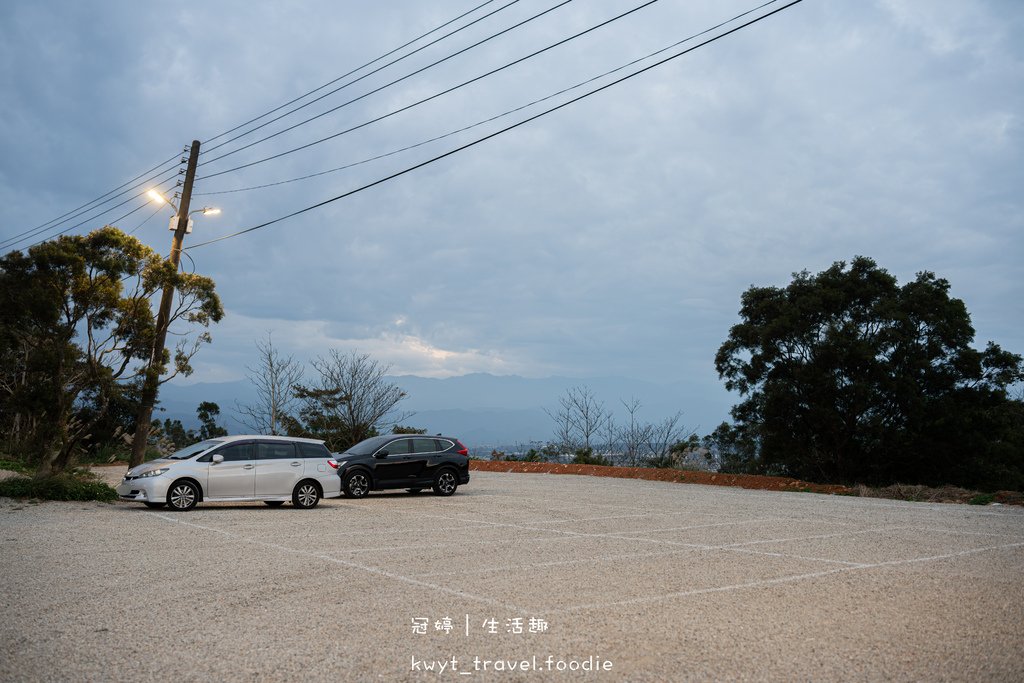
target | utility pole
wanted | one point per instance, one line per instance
(151, 380)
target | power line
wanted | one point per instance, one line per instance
(90, 219)
(84, 208)
(499, 132)
(128, 186)
(370, 63)
(431, 97)
(352, 82)
(136, 228)
(388, 85)
(497, 116)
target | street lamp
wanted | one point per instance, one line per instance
(173, 225)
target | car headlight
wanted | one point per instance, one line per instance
(153, 473)
(341, 463)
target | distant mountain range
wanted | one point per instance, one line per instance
(483, 410)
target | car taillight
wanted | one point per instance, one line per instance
(333, 463)
(462, 449)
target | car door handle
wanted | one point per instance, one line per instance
(248, 467)
(296, 464)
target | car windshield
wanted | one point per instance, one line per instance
(368, 446)
(195, 449)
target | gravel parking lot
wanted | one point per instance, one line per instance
(516, 577)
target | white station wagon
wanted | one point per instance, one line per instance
(273, 469)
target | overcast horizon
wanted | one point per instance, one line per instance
(613, 237)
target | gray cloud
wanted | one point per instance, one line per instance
(613, 237)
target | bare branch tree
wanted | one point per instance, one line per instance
(634, 435)
(352, 399)
(565, 433)
(275, 377)
(579, 418)
(663, 436)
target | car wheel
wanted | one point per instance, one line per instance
(414, 491)
(445, 483)
(151, 504)
(306, 495)
(182, 496)
(274, 503)
(357, 484)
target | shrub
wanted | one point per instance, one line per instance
(663, 461)
(60, 487)
(533, 455)
(585, 456)
(15, 466)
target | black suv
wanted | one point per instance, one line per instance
(404, 461)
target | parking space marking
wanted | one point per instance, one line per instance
(728, 547)
(779, 580)
(961, 531)
(786, 556)
(345, 563)
(422, 546)
(837, 534)
(561, 563)
(734, 547)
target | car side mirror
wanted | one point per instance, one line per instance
(380, 454)
(217, 458)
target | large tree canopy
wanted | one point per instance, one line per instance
(75, 318)
(848, 376)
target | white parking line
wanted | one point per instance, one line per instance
(346, 563)
(560, 563)
(729, 547)
(838, 534)
(780, 580)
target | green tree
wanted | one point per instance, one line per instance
(208, 412)
(75, 319)
(848, 376)
(176, 433)
(402, 429)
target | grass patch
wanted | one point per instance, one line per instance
(15, 466)
(982, 499)
(925, 494)
(71, 486)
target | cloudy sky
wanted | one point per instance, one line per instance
(612, 237)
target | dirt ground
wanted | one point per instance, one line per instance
(746, 481)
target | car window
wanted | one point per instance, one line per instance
(188, 451)
(398, 447)
(368, 446)
(424, 446)
(313, 450)
(443, 444)
(236, 452)
(275, 451)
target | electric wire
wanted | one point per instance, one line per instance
(370, 63)
(189, 256)
(90, 219)
(89, 203)
(497, 116)
(158, 169)
(398, 80)
(426, 99)
(461, 148)
(85, 208)
(352, 82)
(146, 220)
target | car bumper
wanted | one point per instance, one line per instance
(331, 485)
(147, 490)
